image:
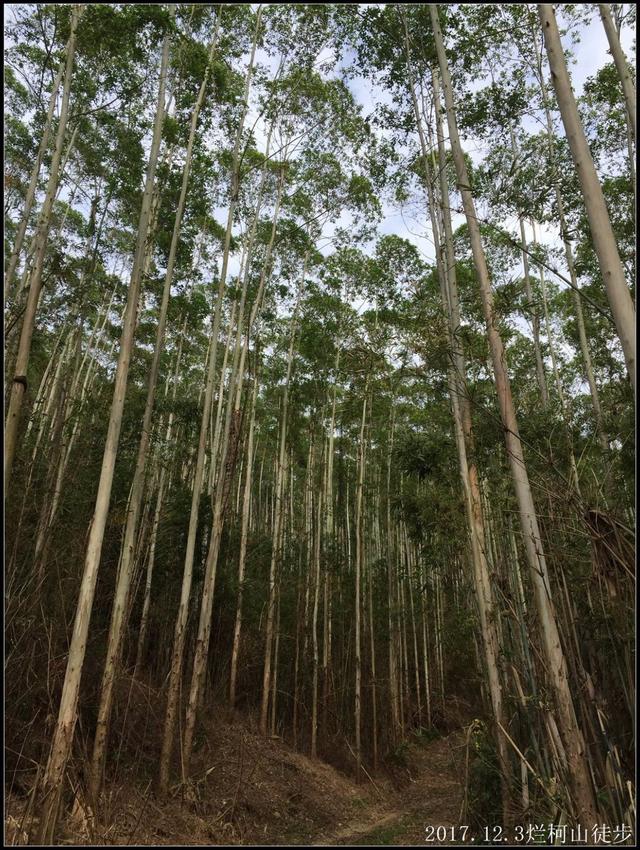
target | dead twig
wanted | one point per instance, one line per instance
(366, 773)
(463, 808)
(142, 810)
(240, 767)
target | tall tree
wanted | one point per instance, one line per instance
(67, 714)
(604, 241)
(574, 742)
(125, 573)
(19, 385)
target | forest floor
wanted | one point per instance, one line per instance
(248, 790)
(433, 797)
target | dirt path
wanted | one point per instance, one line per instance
(433, 798)
(261, 792)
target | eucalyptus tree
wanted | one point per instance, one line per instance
(180, 625)
(100, 177)
(545, 166)
(511, 191)
(242, 555)
(63, 737)
(311, 424)
(278, 513)
(405, 78)
(322, 327)
(89, 240)
(601, 231)
(125, 572)
(21, 95)
(574, 742)
(275, 568)
(532, 180)
(622, 66)
(18, 387)
(319, 190)
(606, 128)
(115, 70)
(226, 464)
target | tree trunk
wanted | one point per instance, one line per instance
(535, 318)
(125, 576)
(183, 610)
(359, 565)
(557, 668)
(602, 235)
(277, 520)
(462, 422)
(19, 385)
(392, 588)
(624, 71)
(244, 533)
(575, 289)
(35, 171)
(225, 472)
(314, 627)
(63, 736)
(556, 374)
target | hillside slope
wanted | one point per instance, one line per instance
(248, 790)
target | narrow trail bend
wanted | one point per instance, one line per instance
(433, 797)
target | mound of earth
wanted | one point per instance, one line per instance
(245, 789)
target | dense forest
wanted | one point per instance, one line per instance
(319, 407)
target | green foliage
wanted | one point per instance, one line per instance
(483, 787)
(362, 312)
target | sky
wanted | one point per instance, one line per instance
(589, 45)
(412, 223)
(590, 54)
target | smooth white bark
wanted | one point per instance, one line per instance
(602, 235)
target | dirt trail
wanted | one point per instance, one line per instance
(248, 790)
(433, 798)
